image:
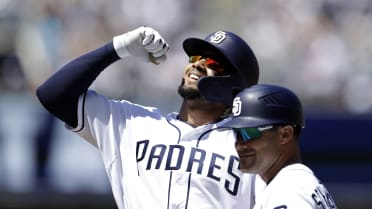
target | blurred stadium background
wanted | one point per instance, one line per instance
(321, 49)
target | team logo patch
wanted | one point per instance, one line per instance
(218, 37)
(237, 106)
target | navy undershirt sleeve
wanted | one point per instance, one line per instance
(60, 93)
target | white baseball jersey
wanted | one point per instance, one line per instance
(294, 187)
(157, 161)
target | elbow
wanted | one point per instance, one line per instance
(45, 97)
(65, 110)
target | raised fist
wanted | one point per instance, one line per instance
(143, 42)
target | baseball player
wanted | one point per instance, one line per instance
(161, 161)
(268, 120)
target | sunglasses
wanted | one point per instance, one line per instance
(211, 63)
(253, 132)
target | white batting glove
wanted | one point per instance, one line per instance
(143, 42)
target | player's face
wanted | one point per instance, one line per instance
(258, 154)
(197, 68)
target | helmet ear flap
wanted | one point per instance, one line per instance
(221, 89)
(217, 89)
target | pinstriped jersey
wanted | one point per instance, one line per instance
(157, 161)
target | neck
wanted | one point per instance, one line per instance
(288, 158)
(198, 112)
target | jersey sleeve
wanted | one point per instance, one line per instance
(84, 113)
(107, 123)
(100, 119)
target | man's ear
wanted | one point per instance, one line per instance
(286, 134)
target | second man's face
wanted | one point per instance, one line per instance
(258, 155)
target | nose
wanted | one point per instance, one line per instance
(200, 66)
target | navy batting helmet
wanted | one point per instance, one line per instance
(265, 104)
(235, 55)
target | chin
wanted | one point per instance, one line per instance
(247, 165)
(188, 92)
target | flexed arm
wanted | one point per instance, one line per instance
(60, 93)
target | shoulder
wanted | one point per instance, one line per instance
(296, 176)
(293, 186)
(306, 189)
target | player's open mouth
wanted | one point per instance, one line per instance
(194, 76)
